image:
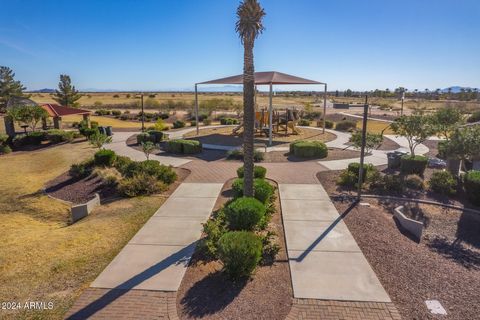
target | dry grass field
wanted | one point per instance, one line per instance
(42, 257)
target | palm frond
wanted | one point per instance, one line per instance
(249, 24)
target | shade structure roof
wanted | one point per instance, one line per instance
(55, 110)
(262, 78)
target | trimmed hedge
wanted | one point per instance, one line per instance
(346, 125)
(262, 190)
(57, 136)
(240, 252)
(105, 158)
(143, 137)
(309, 149)
(472, 186)
(156, 136)
(178, 124)
(259, 172)
(184, 146)
(413, 165)
(443, 182)
(244, 213)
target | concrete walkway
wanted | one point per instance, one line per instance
(156, 258)
(118, 145)
(325, 260)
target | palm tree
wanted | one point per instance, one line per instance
(249, 25)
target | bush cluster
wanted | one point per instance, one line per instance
(304, 122)
(228, 121)
(443, 182)
(82, 169)
(328, 124)
(472, 186)
(57, 136)
(346, 125)
(244, 213)
(259, 172)
(4, 147)
(140, 184)
(413, 165)
(349, 177)
(178, 124)
(262, 190)
(104, 158)
(184, 146)
(151, 168)
(237, 154)
(309, 149)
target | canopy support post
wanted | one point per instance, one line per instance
(270, 117)
(324, 108)
(196, 108)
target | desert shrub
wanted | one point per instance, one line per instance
(178, 124)
(207, 121)
(237, 154)
(93, 124)
(193, 123)
(143, 137)
(443, 182)
(347, 179)
(57, 136)
(32, 138)
(140, 184)
(244, 213)
(102, 112)
(124, 117)
(160, 125)
(309, 149)
(228, 121)
(163, 116)
(82, 169)
(109, 176)
(258, 172)
(116, 113)
(393, 183)
(4, 149)
(313, 115)
(346, 125)
(472, 186)
(240, 253)
(105, 158)
(262, 190)
(184, 146)
(270, 248)
(414, 181)
(156, 136)
(304, 122)
(328, 124)
(122, 163)
(474, 117)
(152, 168)
(413, 165)
(213, 229)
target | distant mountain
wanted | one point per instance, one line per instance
(45, 90)
(456, 89)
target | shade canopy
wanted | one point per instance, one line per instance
(265, 78)
(55, 110)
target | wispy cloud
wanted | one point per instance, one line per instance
(16, 47)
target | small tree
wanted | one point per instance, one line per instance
(98, 140)
(29, 115)
(445, 120)
(416, 128)
(9, 87)
(67, 95)
(148, 148)
(464, 143)
(372, 140)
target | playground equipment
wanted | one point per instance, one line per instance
(282, 121)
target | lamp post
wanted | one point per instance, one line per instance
(143, 114)
(403, 98)
(362, 151)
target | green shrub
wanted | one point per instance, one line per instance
(262, 190)
(474, 117)
(413, 165)
(393, 183)
(328, 124)
(153, 168)
(140, 185)
(309, 149)
(346, 125)
(122, 163)
(228, 121)
(472, 186)
(258, 172)
(82, 169)
(87, 132)
(244, 213)
(143, 137)
(414, 181)
(105, 158)
(213, 229)
(237, 154)
(33, 138)
(116, 113)
(304, 122)
(240, 253)
(4, 147)
(347, 179)
(443, 182)
(155, 136)
(57, 136)
(207, 121)
(193, 123)
(178, 124)
(354, 167)
(184, 146)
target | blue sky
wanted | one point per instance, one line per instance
(164, 45)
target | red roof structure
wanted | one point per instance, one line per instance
(55, 110)
(263, 78)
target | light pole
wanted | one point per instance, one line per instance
(403, 98)
(362, 151)
(143, 113)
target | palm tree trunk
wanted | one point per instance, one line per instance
(248, 117)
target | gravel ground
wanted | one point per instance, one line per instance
(205, 292)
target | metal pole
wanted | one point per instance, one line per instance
(403, 98)
(196, 108)
(324, 108)
(270, 118)
(143, 115)
(362, 152)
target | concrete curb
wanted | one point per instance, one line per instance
(412, 226)
(80, 211)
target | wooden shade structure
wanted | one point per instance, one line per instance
(269, 78)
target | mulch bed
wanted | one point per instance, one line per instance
(333, 154)
(444, 265)
(205, 292)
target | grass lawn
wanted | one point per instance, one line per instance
(42, 258)
(376, 126)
